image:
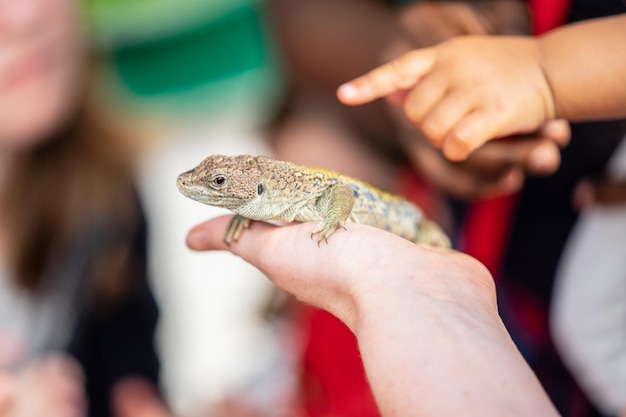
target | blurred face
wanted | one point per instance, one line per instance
(39, 69)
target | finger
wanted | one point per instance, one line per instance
(210, 235)
(397, 99)
(509, 183)
(470, 133)
(260, 244)
(315, 274)
(205, 236)
(535, 156)
(461, 182)
(420, 101)
(486, 172)
(445, 114)
(398, 75)
(462, 185)
(543, 159)
(431, 34)
(558, 131)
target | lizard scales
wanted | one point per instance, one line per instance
(261, 188)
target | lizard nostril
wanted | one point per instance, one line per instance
(182, 180)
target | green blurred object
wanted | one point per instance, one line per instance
(198, 55)
(122, 21)
(211, 52)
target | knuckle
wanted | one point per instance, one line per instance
(460, 135)
(401, 79)
(457, 146)
(434, 129)
(413, 111)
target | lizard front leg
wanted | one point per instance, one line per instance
(335, 206)
(235, 227)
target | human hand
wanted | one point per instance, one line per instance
(52, 386)
(426, 319)
(320, 275)
(463, 92)
(428, 23)
(496, 168)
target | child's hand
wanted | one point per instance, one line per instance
(464, 92)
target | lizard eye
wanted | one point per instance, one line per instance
(218, 181)
(260, 189)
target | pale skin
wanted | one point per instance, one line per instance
(449, 354)
(470, 90)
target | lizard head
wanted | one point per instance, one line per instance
(222, 181)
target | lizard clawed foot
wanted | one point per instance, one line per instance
(235, 228)
(324, 230)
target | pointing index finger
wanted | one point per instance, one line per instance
(398, 75)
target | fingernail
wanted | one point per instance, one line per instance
(197, 239)
(348, 91)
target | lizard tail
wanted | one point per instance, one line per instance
(429, 233)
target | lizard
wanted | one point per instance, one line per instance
(261, 188)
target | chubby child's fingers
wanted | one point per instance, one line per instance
(471, 132)
(444, 115)
(558, 131)
(477, 128)
(421, 100)
(398, 75)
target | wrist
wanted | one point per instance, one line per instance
(436, 331)
(434, 280)
(548, 93)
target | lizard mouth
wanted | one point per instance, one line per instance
(204, 195)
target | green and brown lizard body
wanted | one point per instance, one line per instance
(261, 188)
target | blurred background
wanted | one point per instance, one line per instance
(196, 78)
(204, 334)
